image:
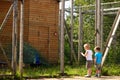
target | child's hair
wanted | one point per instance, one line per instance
(87, 45)
(97, 48)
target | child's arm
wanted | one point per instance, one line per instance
(95, 60)
(95, 57)
(84, 54)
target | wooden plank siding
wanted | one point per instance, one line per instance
(5, 34)
(40, 29)
(43, 23)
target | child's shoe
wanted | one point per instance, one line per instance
(99, 75)
(87, 76)
(96, 75)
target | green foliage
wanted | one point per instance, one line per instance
(108, 21)
(111, 70)
(84, 2)
(53, 71)
(67, 53)
(110, 0)
(89, 30)
(48, 71)
(113, 55)
(6, 78)
(88, 2)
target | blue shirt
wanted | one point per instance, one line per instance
(98, 57)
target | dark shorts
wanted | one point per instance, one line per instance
(98, 66)
(89, 64)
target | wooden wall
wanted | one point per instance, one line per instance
(41, 26)
(5, 34)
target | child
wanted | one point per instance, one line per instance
(97, 61)
(88, 56)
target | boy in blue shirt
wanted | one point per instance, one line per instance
(97, 60)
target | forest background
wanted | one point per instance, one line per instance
(89, 31)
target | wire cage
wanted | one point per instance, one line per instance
(40, 31)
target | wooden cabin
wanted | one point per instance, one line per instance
(40, 26)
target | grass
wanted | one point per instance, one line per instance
(53, 71)
(111, 70)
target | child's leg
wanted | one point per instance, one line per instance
(99, 73)
(96, 71)
(99, 70)
(96, 67)
(89, 70)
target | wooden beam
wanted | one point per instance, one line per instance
(21, 38)
(14, 36)
(108, 3)
(105, 11)
(80, 33)
(111, 36)
(71, 31)
(101, 32)
(71, 37)
(6, 17)
(98, 23)
(62, 38)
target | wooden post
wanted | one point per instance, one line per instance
(62, 38)
(80, 33)
(14, 36)
(102, 16)
(59, 28)
(98, 22)
(21, 38)
(73, 55)
(71, 31)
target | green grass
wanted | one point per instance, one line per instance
(53, 71)
(111, 70)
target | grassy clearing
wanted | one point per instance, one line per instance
(53, 71)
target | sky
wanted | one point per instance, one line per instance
(67, 4)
